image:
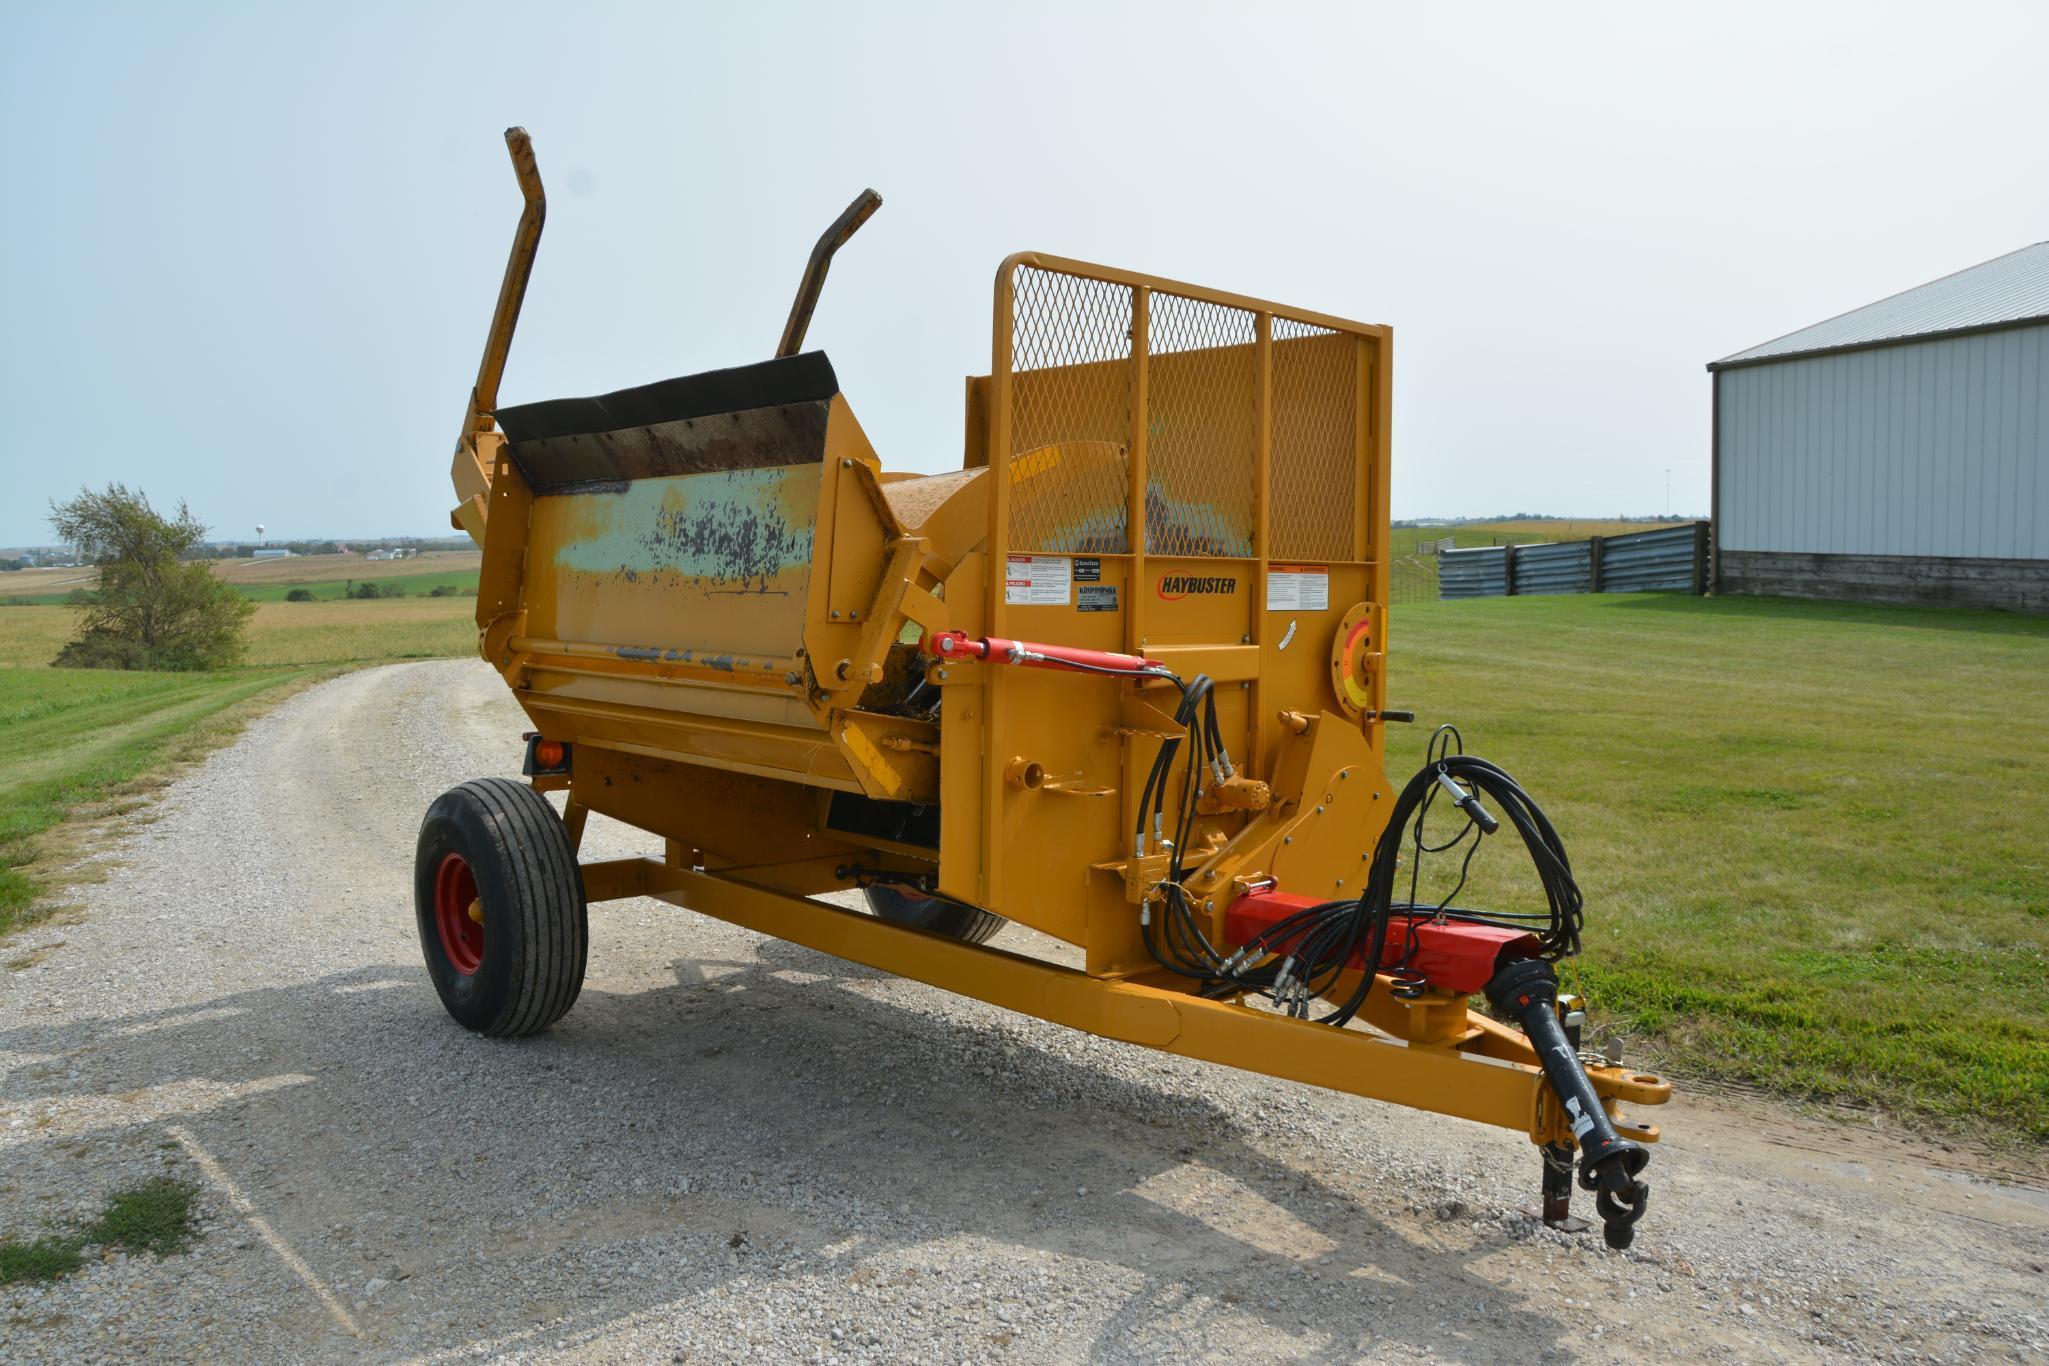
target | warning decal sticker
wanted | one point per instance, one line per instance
(1297, 588)
(1036, 580)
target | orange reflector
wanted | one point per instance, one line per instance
(548, 754)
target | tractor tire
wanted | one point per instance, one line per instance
(933, 914)
(499, 900)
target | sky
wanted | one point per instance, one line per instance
(248, 253)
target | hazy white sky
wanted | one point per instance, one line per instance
(248, 252)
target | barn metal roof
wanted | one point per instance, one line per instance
(2008, 289)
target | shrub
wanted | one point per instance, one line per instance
(299, 595)
(152, 610)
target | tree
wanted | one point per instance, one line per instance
(150, 610)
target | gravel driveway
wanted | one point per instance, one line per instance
(734, 1148)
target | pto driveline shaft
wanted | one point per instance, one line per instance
(1527, 989)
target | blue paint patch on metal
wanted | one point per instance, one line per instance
(737, 530)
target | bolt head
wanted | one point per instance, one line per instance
(942, 675)
(835, 614)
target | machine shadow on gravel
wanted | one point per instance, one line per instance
(802, 1108)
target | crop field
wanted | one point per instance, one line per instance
(309, 569)
(325, 576)
(87, 738)
(1810, 836)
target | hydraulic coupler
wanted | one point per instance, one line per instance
(1527, 990)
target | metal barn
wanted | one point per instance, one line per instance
(1897, 453)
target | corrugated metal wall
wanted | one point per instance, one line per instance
(1671, 557)
(1475, 573)
(1930, 448)
(1646, 560)
(1555, 568)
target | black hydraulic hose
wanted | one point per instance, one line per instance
(1527, 989)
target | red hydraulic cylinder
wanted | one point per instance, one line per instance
(1032, 655)
(1452, 955)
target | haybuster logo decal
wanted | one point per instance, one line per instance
(1174, 587)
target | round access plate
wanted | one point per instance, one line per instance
(1351, 653)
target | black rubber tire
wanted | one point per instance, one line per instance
(933, 914)
(536, 930)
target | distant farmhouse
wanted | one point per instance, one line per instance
(1897, 453)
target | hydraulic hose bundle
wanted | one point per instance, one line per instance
(1302, 956)
(1299, 958)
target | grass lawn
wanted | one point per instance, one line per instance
(74, 739)
(1813, 839)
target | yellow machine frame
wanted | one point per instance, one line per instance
(1159, 438)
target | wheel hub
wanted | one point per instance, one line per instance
(459, 914)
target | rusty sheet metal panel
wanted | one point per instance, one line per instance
(695, 566)
(674, 523)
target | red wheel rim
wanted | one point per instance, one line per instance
(462, 933)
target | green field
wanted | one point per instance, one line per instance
(325, 590)
(85, 739)
(1813, 839)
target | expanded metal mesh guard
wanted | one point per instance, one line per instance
(1313, 480)
(1070, 414)
(1073, 380)
(1202, 416)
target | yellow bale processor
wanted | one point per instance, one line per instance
(1120, 678)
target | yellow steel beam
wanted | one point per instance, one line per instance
(1445, 1081)
(471, 470)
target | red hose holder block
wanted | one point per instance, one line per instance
(1030, 654)
(1451, 956)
